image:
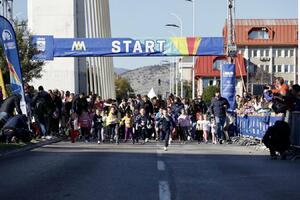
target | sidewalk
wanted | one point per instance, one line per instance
(9, 149)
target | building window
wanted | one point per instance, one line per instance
(267, 68)
(279, 53)
(286, 68)
(286, 52)
(274, 69)
(218, 63)
(292, 53)
(267, 52)
(279, 69)
(259, 33)
(254, 53)
(292, 67)
(274, 53)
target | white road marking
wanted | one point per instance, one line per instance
(161, 165)
(164, 190)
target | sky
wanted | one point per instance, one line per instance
(147, 19)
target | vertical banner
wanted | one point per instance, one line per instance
(10, 48)
(2, 85)
(228, 84)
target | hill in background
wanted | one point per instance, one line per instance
(144, 78)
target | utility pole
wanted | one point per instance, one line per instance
(231, 45)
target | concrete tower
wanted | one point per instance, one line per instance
(71, 19)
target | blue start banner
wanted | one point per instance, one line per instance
(10, 48)
(49, 47)
(228, 84)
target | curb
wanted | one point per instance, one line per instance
(30, 147)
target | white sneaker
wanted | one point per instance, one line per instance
(99, 142)
(189, 138)
(146, 140)
(165, 149)
(48, 137)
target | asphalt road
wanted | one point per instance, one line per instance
(141, 172)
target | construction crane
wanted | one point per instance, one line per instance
(231, 45)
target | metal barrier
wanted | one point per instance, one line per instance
(294, 122)
(255, 126)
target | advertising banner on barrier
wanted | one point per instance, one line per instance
(50, 47)
(10, 48)
(228, 84)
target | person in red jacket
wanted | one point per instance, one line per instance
(281, 87)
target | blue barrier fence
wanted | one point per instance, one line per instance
(255, 126)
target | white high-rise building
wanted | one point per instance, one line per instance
(74, 19)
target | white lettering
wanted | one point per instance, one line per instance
(149, 46)
(116, 47)
(137, 47)
(127, 43)
(161, 45)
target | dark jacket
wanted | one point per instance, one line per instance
(166, 123)
(80, 104)
(42, 104)
(200, 106)
(147, 106)
(10, 104)
(219, 106)
(142, 121)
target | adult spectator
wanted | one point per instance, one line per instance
(199, 105)
(280, 87)
(177, 107)
(218, 108)
(43, 109)
(293, 98)
(80, 104)
(147, 105)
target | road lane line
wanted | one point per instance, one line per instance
(164, 190)
(161, 165)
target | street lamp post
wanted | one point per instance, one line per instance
(193, 68)
(177, 64)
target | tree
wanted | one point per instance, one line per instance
(123, 88)
(209, 93)
(30, 68)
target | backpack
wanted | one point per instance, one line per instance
(41, 106)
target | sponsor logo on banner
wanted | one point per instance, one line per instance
(7, 37)
(41, 44)
(78, 46)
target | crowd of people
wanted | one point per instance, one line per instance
(139, 119)
(275, 99)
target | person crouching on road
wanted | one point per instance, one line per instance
(167, 125)
(112, 124)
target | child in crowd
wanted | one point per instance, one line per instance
(206, 128)
(213, 126)
(128, 121)
(184, 125)
(199, 129)
(85, 124)
(111, 122)
(98, 126)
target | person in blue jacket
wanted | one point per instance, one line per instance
(218, 107)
